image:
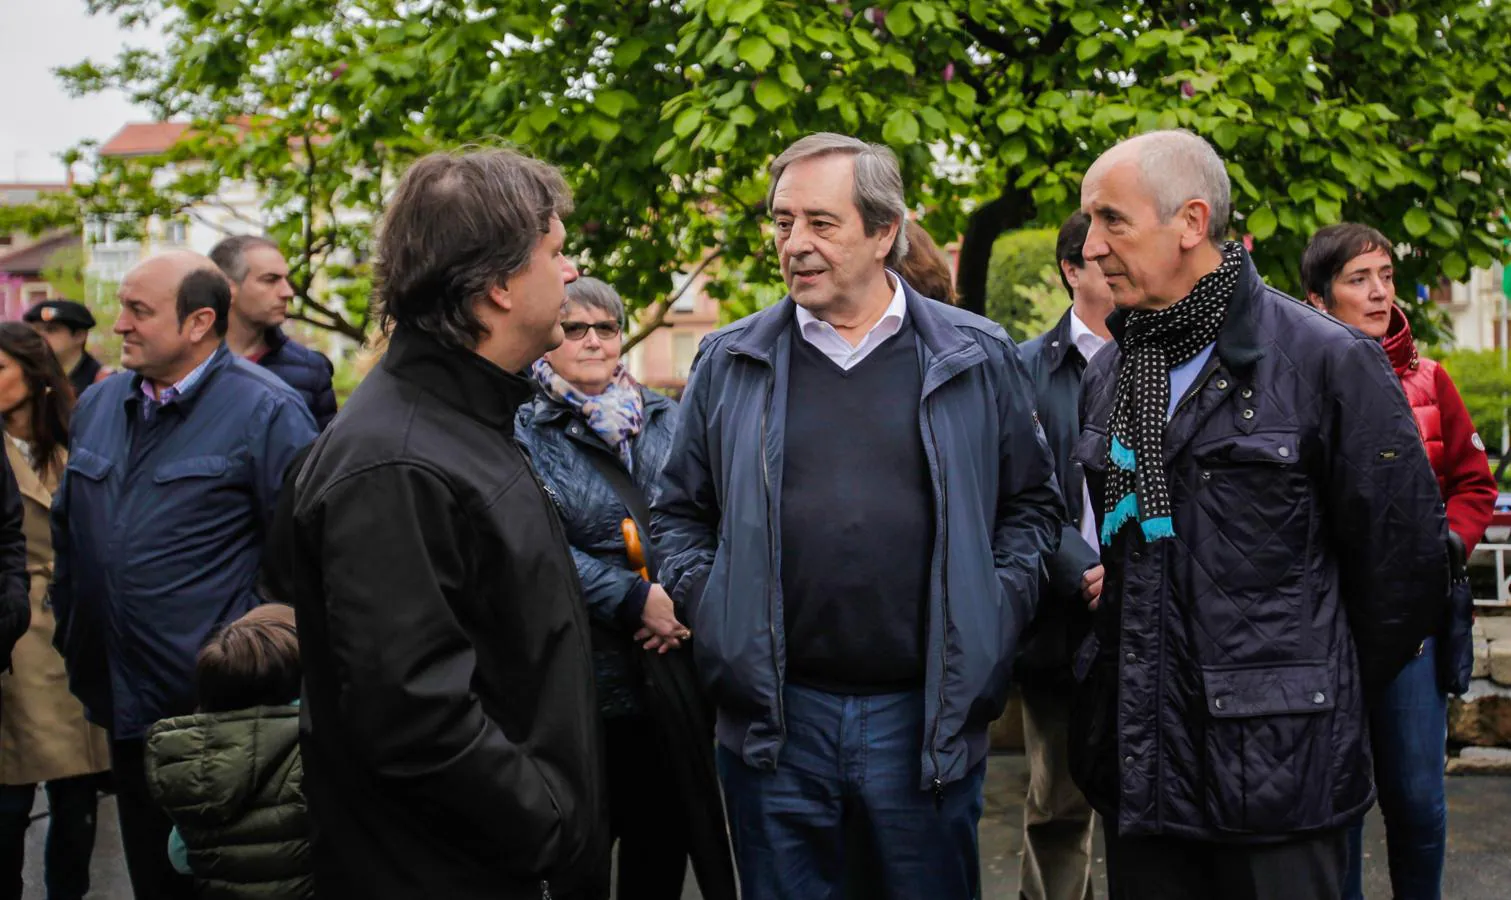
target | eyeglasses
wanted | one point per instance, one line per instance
(576, 331)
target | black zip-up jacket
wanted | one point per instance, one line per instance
(1221, 693)
(1043, 662)
(450, 729)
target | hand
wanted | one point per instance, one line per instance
(662, 631)
(1091, 586)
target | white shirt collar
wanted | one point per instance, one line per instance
(1086, 340)
(824, 336)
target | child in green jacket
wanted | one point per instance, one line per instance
(229, 776)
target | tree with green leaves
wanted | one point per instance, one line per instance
(664, 115)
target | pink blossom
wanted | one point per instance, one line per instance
(949, 72)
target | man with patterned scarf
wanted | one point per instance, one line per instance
(1269, 527)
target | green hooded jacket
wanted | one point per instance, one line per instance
(231, 782)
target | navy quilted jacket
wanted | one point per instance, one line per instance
(558, 441)
(306, 371)
(1220, 695)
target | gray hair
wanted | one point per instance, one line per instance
(878, 182)
(595, 294)
(231, 254)
(1179, 166)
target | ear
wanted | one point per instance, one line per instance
(1072, 274)
(500, 296)
(1194, 217)
(1316, 300)
(885, 239)
(199, 324)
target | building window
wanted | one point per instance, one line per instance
(684, 348)
(176, 232)
(35, 293)
(687, 300)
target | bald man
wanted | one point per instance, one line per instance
(158, 525)
(1274, 545)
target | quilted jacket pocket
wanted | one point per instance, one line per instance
(1269, 745)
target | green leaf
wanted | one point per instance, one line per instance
(755, 50)
(790, 77)
(1088, 48)
(612, 103)
(1349, 120)
(862, 36)
(1454, 267)
(779, 37)
(743, 116)
(1010, 121)
(1325, 22)
(744, 9)
(1261, 223)
(687, 121)
(1417, 222)
(1263, 87)
(1085, 22)
(1014, 152)
(901, 128)
(934, 119)
(900, 21)
(769, 93)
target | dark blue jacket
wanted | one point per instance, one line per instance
(1055, 365)
(158, 529)
(996, 508)
(558, 441)
(1221, 694)
(306, 371)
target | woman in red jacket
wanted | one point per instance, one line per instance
(1348, 272)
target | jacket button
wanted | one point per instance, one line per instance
(1218, 703)
(1248, 414)
(1137, 556)
(1206, 475)
(1222, 384)
(1132, 657)
(1318, 697)
(1246, 393)
(1284, 452)
(1128, 761)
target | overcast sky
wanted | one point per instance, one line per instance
(40, 120)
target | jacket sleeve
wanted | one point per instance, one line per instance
(290, 429)
(1029, 508)
(685, 511)
(323, 398)
(15, 599)
(1385, 514)
(1067, 565)
(394, 551)
(1468, 487)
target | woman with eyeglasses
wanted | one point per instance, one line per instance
(590, 414)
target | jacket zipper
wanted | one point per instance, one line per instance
(545, 889)
(944, 600)
(771, 573)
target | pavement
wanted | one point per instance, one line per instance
(1478, 868)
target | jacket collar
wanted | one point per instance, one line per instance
(1399, 345)
(220, 359)
(458, 377)
(27, 480)
(1238, 340)
(940, 337)
(275, 339)
(547, 409)
(1058, 342)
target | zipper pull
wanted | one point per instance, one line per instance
(545, 889)
(938, 794)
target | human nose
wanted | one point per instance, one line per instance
(1095, 246)
(568, 271)
(285, 290)
(121, 326)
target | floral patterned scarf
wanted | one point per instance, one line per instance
(615, 415)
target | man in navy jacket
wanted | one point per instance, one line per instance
(855, 511)
(173, 475)
(260, 295)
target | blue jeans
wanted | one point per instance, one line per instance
(1408, 732)
(851, 763)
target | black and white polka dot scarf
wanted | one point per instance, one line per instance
(1152, 344)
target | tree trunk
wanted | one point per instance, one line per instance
(1010, 210)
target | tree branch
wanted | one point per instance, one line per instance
(664, 306)
(1008, 211)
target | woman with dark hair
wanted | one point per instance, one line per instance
(926, 268)
(43, 734)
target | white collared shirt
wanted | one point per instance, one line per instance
(823, 336)
(1088, 342)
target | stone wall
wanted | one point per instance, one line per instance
(1482, 717)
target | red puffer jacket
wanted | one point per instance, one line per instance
(1456, 452)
